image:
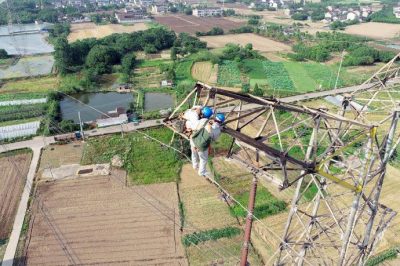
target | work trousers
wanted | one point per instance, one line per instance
(199, 160)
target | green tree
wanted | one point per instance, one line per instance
(100, 59)
(62, 55)
(257, 91)
(188, 11)
(128, 63)
(173, 53)
(246, 88)
(3, 54)
(171, 74)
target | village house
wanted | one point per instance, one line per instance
(396, 11)
(131, 15)
(143, 3)
(207, 12)
(115, 117)
(167, 83)
(158, 9)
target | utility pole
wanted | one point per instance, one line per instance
(80, 126)
(249, 222)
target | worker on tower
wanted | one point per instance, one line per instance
(206, 131)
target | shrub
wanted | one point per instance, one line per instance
(3, 54)
(213, 234)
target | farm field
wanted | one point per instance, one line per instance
(12, 181)
(229, 74)
(28, 66)
(81, 31)
(375, 30)
(205, 72)
(17, 112)
(42, 84)
(97, 220)
(260, 43)
(191, 24)
(148, 77)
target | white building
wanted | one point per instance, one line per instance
(158, 9)
(352, 15)
(396, 11)
(207, 12)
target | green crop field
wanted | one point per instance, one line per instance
(136, 151)
(228, 73)
(16, 112)
(277, 76)
(302, 81)
(21, 96)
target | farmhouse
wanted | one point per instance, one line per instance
(396, 11)
(115, 117)
(131, 15)
(166, 83)
(207, 12)
(158, 9)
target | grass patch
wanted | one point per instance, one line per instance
(182, 213)
(266, 204)
(183, 70)
(153, 63)
(21, 121)
(254, 68)
(383, 256)
(43, 84)
(136, 152)
(302, 81)
(228, 74)
(213, 234)
(310, 193)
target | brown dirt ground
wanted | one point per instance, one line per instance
(375, 30)
(14, 169)
(191, 24)
(260, 43)
(56, 155)
(98, 220)
(90, 30)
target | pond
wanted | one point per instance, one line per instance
(103, 101)
(156, 101)
(28, 39)
(28, 66)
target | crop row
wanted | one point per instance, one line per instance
(21, 96)
(16, 112)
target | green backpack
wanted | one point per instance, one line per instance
(201, 138)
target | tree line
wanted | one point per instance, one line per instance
(358, 52)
